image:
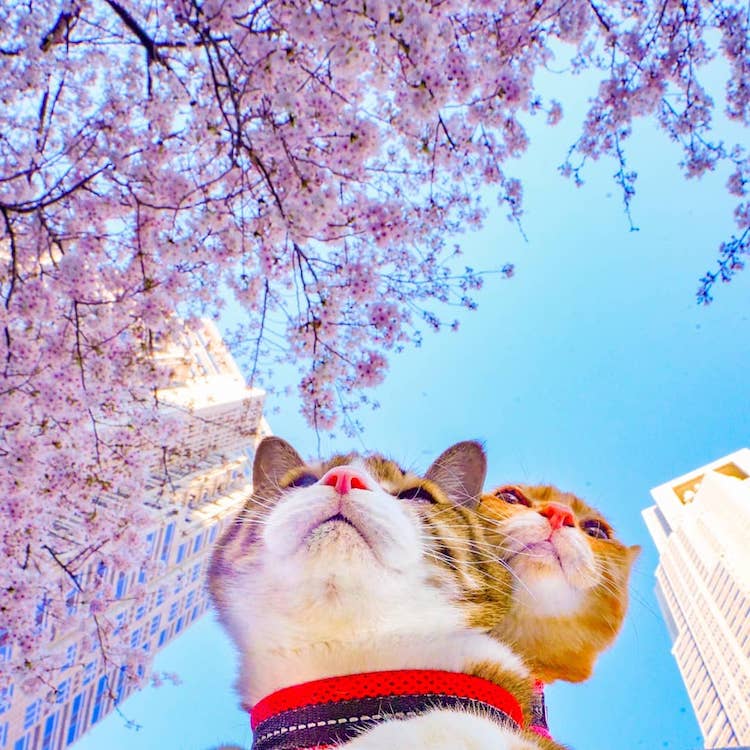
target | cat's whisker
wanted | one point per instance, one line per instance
(490, 582)
(494, 551)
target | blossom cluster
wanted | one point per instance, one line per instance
(313, 159)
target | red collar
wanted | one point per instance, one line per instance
(326, 712)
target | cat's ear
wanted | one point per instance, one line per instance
(460, 472)
(274, 457)
(633, 553)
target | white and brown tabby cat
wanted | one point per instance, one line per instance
(570, 578)
(357, 566)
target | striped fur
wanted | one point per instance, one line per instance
(409, 584)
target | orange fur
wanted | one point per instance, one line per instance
(558, 645)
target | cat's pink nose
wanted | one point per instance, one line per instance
(558, 515)
(344, 479)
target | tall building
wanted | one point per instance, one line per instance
(193, 493)
(701, 527)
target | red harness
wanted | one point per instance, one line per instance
(327, 712)
(539, 711)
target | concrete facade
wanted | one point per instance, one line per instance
(700, 524)
(196, 494)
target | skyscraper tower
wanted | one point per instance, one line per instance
(701, 527)
(197, 491)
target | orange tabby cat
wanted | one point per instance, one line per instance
(570, 578)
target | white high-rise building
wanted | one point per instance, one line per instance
(194, 494)
(701, 527)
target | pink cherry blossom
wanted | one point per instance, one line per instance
(313, 160)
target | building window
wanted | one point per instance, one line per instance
(122, 584)
(75, 712)
(162, 637)
(173, 610)
(168, 534)
(196, 572)
(49, 732)
(100, 688)
(198, 543)
(155, 624)
(4, 734)
(135, 638)
(120, 622)
(150, 539)
(5, 651)
(70, 601)
(731, 470)
(212, 533)
(70, 655)
(63, 690)
(181, 552)
(120, 684)
(88, 673)
(686, 491)
(22, 744)
(6, 695)
(178, 626)
(140, 612)
(159, 597)
(40, 612)
(32, 714)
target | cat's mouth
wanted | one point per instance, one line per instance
(336, 519)
(542, 551)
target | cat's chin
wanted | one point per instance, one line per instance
(543, 588)
(552, 580)
(537, 564)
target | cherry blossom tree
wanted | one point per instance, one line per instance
(314, 160)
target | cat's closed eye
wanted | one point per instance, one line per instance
(417, 494)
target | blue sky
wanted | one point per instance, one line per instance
(592, 369)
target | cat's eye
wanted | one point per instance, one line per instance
(303, 480)
(596, 529)
(513, 496)
(417, 494)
